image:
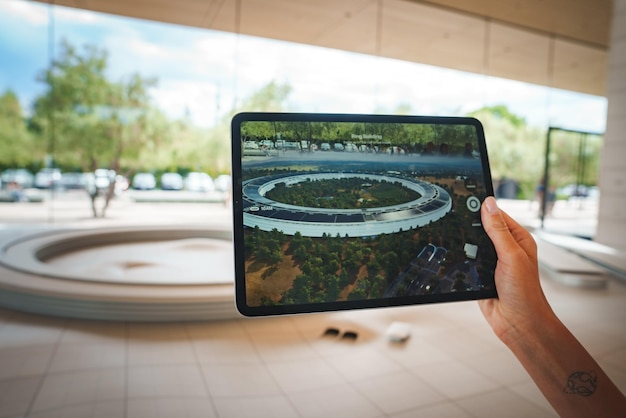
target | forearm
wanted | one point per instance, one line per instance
(521, 317)
(565, 372)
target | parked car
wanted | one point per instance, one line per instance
(350, 147)
(171, 181)
(73, 181)
(48, 178)
(199, 182)
(573, 190)
(223, 182)
(121, 183)
(144, 181)
(17, 176)
(103, 177)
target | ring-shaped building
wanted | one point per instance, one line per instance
(266, 214)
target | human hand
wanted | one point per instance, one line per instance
(522, 318)
(521, 302)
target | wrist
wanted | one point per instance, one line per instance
(570, 379)
(528, 334)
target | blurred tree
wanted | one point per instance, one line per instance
(516, 150)
(574, 159)
(87, 120)
(16, 142)
(269, 98)
(91, 122)
(210, 151)
(503, 112)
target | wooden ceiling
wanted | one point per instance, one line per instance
(558, 43)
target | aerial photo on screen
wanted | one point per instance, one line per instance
(340, 211)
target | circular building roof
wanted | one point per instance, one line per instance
(259, 211)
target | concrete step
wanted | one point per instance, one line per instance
(566, 267)
(610, 260)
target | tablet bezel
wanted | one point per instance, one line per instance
(238, 222)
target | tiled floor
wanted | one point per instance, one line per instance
(452, 365)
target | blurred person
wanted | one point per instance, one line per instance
(16, 192)
(468, 151)
(429, 149)
(540, 195)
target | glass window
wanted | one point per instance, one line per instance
(114, 121)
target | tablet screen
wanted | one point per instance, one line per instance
(338, 211)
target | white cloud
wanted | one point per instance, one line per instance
(570, 110)
(66, 14)
(38, 13)
(142, 49)
(35, 14)
(199, 100)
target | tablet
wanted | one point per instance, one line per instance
(340, 211)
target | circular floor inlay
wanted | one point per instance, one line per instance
(182, 261)
(156, 256)
(165, 273)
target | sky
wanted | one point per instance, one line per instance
(202, 74)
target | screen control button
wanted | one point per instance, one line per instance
(473, 203)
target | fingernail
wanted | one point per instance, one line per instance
(492, 206)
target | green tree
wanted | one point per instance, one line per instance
(360, 292)
(389, 262)
(269, 98)
(459, 282)
(516, 150)
(332, 287)
(574, 158)
(300, 292)
(89, 121)
(86, 120)
(214, 143)
(16, 142)
(502, 112)
(378, 285)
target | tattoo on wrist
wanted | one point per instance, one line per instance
(581, 384)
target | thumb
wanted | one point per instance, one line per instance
(507, 236)
(496, 227)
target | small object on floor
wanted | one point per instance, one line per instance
(335, 332)
(349, 335)
(331, 332)
(399, 332)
